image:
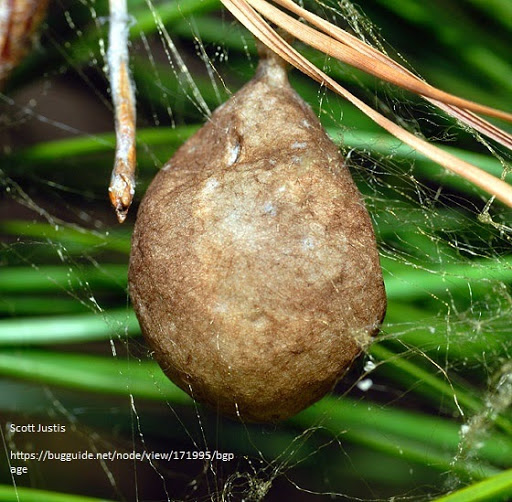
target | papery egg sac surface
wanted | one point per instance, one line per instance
(254, 270)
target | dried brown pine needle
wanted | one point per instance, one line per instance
(372, 65)
(245, 13)
(465, 116)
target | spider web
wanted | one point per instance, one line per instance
(425, 411)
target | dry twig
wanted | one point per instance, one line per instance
(122, 183)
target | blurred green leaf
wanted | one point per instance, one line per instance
(24, 494)
(496, 488)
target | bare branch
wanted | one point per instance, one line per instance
(122, 182)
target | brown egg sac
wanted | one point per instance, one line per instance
(254, 269)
